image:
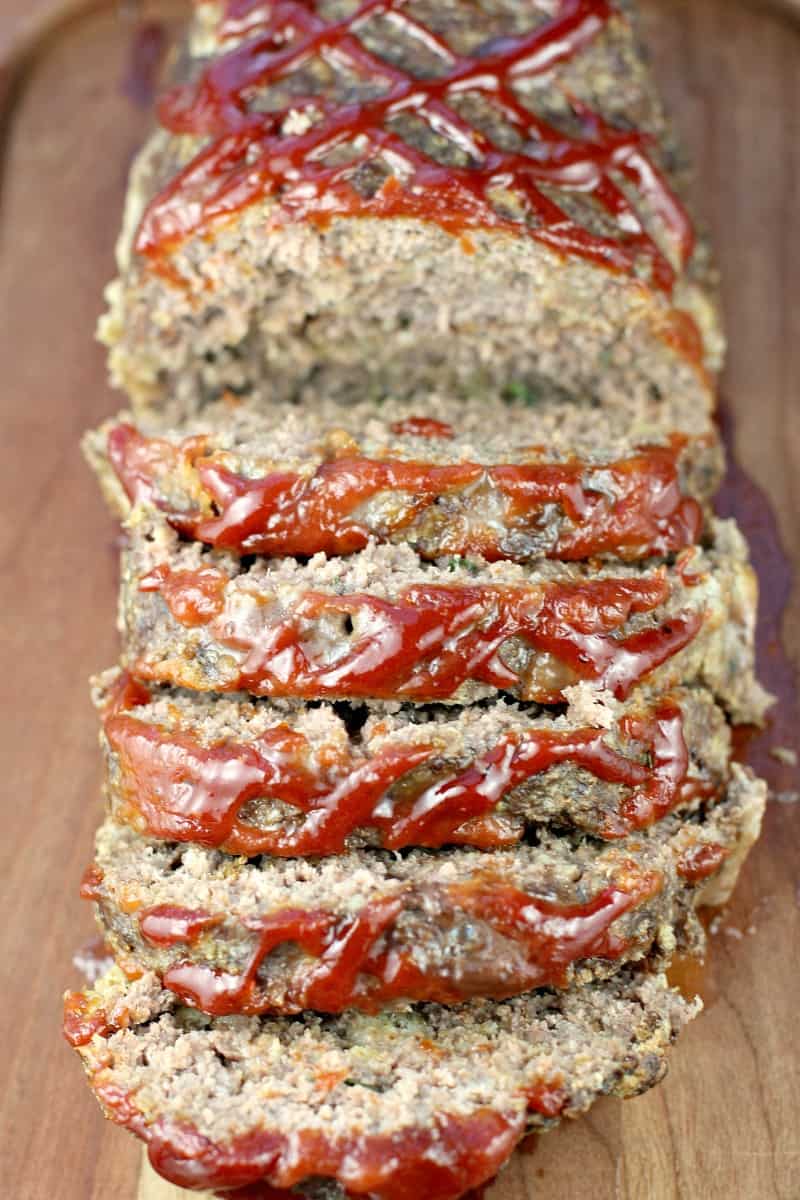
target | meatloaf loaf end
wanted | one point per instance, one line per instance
(368, 928)
(498, 479)
(254, 777)
(426, 1101)
(382, 624)
(407, 198)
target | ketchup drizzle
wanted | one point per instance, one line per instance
(423, 427)
(359, 965)
(91, 883)
(177, 789)
(193, 597)
(167, 925)
(440, 1162)
(700, 862)
(83, 1019)
(434, 638)
(247, 157)
(286, 513)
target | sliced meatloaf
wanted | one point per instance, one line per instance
(500, 480)
(249, 777)
(383, 624)
(367, 928)
(387, 198)
(426, 1101)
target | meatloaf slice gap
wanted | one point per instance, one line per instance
(254, 777)
(504, 212)
(428, 1100)
(500, 480)
(368, 928)
(382, 624)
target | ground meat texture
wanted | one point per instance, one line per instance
(251, 777)
(364, 929)
(387, 293)
(428, 1098)
(384, 624)
(498, 479)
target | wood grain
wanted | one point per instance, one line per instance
(724, 1124)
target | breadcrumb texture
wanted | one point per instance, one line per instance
(717, 588)
(366, 307)
(289, 1101)
(456, 947)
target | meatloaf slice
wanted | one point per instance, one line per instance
(249, 777)
(496, 479)
(382, 624)
(367, 928)
(382, 199)
(426, 1101)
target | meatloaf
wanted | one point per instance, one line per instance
(251, 777)
(400, 197)
(383, 624)
(499, 479)
(427, 1101)
(368, 928)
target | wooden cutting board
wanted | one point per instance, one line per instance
(724, 1126)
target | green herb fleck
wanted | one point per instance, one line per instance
(464, 564)
(520, 392)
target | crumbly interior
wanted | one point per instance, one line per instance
(254, 431)
(447, 937)
(410, 1068)
(371, 308)
(723, 590)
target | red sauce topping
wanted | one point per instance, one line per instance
(547, 1098)
(193, 597)
(167, 925)
(82, 1019)
(360, 965)
(125, 692)
(292, 514)
(91, 883)
(139, 462)
(434, 638)
(700, 862)
(246, 155)
(184, 791)
(440, 1162)
(423, 427)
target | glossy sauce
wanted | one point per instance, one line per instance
(83, 1019)
(701, 862)
(91, 883)
(441, 1162)
(293, 514)
(246, 157)
(434, 638)
(181, 790)
(423, 427)
(167, 925)
(359, 964)
(193, 597)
